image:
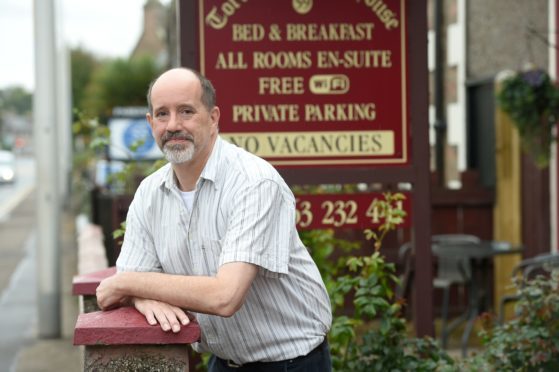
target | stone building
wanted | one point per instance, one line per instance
(159, 36)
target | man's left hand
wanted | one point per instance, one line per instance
(108, 295)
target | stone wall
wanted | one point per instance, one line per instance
(500, 35)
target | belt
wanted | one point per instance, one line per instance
(232, 364)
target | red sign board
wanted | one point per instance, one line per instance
(310, 83)
(344, 211)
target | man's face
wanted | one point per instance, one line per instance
(182, 126)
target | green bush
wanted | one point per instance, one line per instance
(374, 337)
(528, 342)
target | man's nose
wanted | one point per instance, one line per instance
(174, 122)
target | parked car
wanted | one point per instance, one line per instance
(7, 167)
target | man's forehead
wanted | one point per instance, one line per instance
(164, 89)
(177, 77)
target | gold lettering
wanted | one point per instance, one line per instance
(367, 59)
(329, 32)
(248, 32)
(327, 144)
(386, 16)
(303, 213)
(265, 113)
(249, 143)
(230, 7)
(340, 112)
(230, 61)
(280, 85)
(354, 59)
(218, 20)
(373, 211)
(281, 60)
(339, 212)
(316, 144)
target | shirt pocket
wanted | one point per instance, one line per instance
(206, 259)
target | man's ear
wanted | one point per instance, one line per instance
(214, 116)
(150, 120)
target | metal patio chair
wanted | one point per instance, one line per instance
(528, 269)
(452, 271)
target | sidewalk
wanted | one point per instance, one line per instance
(20, 348)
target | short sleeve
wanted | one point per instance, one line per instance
(259, 228)
(138, 250)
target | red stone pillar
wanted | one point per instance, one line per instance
(85, 285)
(122, 340)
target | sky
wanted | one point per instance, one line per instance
(107, 28)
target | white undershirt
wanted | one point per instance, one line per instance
(188, 199)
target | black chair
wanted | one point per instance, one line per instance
(452, 271)
(405, 259)
(528, 269)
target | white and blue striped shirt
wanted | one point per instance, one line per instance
(243, 212)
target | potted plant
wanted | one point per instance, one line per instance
(531, 99)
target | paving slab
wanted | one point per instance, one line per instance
(21, 350)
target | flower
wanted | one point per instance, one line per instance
(531, 99)
(534, 78)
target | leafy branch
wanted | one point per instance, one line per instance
(391, 211)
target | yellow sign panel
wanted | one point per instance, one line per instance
(315, 144)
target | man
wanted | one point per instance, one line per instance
(213, 232)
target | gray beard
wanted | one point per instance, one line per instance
(177, 154)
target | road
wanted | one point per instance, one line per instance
(11, 195)
(16, 217)
(17, 264)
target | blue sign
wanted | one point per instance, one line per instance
(138, 139)
(131, 139)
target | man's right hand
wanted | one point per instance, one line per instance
(168, 316)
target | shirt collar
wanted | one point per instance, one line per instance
(167, 178)
(211, 170)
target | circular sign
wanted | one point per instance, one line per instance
(137, 138)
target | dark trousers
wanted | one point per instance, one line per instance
(317, 360)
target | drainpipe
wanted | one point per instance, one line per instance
(440, 106)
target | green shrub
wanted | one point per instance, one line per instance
(530, 341)
(374, 337)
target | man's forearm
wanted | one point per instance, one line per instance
(199, 294)
(220, 295)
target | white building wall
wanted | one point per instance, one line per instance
(456, 111)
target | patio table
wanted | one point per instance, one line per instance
(478, 255)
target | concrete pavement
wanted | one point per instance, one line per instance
(20, 348)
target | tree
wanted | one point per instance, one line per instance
(119, 82)
(83, 65)
(15, 100)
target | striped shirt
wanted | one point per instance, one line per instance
(243, 212)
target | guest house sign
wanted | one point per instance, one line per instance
(310, 82)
